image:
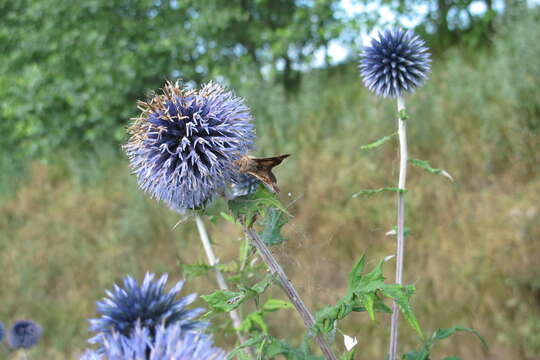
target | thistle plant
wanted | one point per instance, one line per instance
(182, 148)
(396, 64)
(147, 305)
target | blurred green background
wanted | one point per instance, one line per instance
(72, 221)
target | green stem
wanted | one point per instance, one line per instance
(288, 288)
(400, 252)
(213, 261)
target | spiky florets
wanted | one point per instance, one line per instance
(397, 62)
(169, 343)
(24, 334)
(148, 305)
(183, 145)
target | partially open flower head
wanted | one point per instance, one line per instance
(183, 144)
(147, 304)
(24, 334)
(395, 63)
(168, 343)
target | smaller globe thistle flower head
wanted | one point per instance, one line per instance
(24, 334)
(245, 184)
(148, 304)
(169, 342)
(396, 63)
(183, 145)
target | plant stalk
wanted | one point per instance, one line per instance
(290, 291)
(213, 261)
(403, 158)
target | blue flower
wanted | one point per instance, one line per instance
(397, 62)
(168, 343)
(183, 145)
(2, 331)
(24, 334)
(147, 304)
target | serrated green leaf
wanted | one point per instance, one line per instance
(273, 221)
(401, 295)
(440, 334)
(426, 166)
(356, 273)
(276, 304)
(224, 300)
(256, 340)
(378, 142)
(371, 192)
(363, 294)
(262, 285)
(368, 300)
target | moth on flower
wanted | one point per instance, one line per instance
(261, 169)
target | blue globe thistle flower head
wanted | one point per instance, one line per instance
(2, 331)
(396, 63)
(148, 304)
(183, 145)
(24, 334)
(169, 342)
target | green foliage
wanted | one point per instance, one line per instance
(365, 293)
(83, 65)
(268, 347)
(378, 142)
(439, 334)
(256, 318)
(226, 300)
(426, 166)
(248, 207)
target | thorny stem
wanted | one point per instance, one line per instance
(288, 288)
(402, 131)
(213, 261)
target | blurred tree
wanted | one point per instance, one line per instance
(71, 71)
(442, 22)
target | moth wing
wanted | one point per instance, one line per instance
(267, 178)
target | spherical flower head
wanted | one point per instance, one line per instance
(24, 334)
(169, 342)
(183, 145)
(397, 62)
(148, 304)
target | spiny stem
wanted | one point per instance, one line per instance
(288, 288)
(213, 261)
(402, 131)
